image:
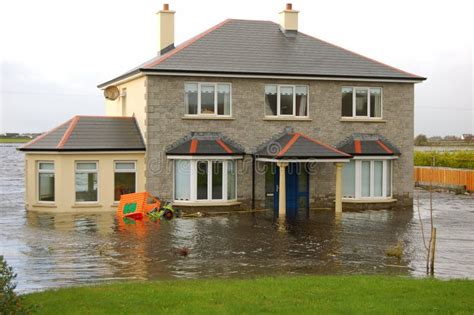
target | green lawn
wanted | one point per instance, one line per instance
(15, 140)
(302, 294)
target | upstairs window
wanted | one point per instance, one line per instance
(361, 102)
(286, 100)
(207, 99)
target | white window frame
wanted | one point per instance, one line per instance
(38, 172)
(367, 88)
(358, 178)
(87, 172)
(193, 180)
(215, 114)
(134, 170)
(294, 101)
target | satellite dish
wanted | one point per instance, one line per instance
(111, 93)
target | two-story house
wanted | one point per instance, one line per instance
(248, 114)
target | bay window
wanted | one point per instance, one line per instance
(207, 99)
(367, 178)
(286, 100)
(361, 102)
(124, 178)
(46, 192)
(205, 180)
(86, 182)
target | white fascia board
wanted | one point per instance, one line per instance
(304, 160)
(82, 152)
(204, 157)
(285, 77)
(376, 157)
(124, 80)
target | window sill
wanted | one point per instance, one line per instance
(86, 205)
(206, 203)
(365, 120)
(202, 117)
(371, 200)
(44, 205)
(269, 118)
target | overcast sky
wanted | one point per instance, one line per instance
(54, 53)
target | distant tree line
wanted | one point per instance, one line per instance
(465, 139)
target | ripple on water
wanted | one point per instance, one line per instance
(53, 250)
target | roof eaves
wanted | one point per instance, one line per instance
(119, 78)
(81, 149)
(279, 74)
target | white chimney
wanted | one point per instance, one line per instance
(289, 19)
(165, 29)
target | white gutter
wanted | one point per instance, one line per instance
(81, 152)
(302, 160)
(286, 77)
(253, 76)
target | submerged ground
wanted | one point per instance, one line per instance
(56, 250)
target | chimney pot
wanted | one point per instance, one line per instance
(165, 29)
(289, 20)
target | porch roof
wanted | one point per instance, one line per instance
(205, 143)
(368, 144)
(291, 145)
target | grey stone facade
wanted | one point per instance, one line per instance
(166, 123)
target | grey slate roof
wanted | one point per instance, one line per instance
(260, 47)
(205, 143)
(368, 144)
(291, 145)
(90, 133)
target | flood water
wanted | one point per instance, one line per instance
(55, 250)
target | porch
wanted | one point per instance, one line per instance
(289, 158)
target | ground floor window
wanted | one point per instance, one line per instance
(46, 181)
(205, 180)
(367, 179)
(125, 178)
(86, 182)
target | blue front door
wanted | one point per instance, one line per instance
(297, 192)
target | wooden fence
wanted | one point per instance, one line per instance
(444, 176)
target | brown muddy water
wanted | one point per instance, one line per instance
(55, 250)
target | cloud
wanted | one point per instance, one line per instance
(56, 52)
(31, 102)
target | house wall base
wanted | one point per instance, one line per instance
(401, 202)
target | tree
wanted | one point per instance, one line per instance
(10, 302)
(421, 139)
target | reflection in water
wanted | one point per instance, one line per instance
(52, 250)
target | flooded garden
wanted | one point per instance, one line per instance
(61, 249)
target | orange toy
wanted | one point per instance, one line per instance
(137, 205)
